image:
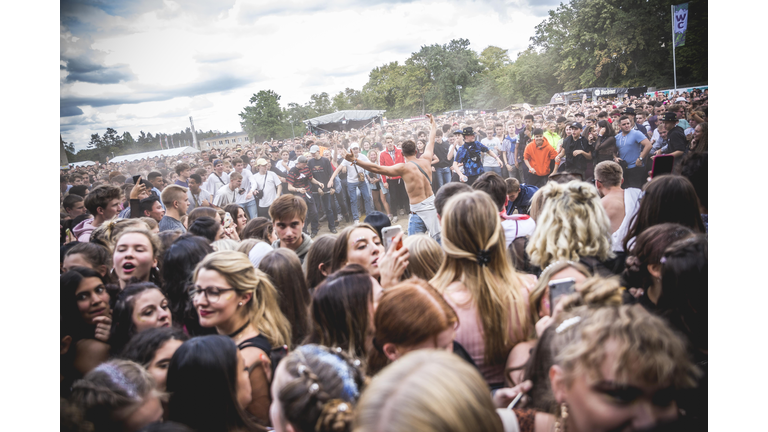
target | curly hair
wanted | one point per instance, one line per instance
(572, 224)
(647, 349)
(323, 388)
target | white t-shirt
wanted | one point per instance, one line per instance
(202, 196)
(493, 145)
(244, 198)
(351, 172)
(270, 187)
(225, 196)
(213, 184)
(514, 228)
(280, 165)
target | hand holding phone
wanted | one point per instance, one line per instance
(389, 233)
(559, 288)
(227, 220)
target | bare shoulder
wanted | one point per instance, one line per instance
(252, 354)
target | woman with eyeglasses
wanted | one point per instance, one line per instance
(241, 303)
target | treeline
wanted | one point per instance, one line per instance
(583, 43)
(113, 143)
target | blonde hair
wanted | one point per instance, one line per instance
(263, 308)
(154, 241)
(647, 349)
(425, 257)
(173, 193)
(572, 224)
(107, 233)
(417, 392)
(540, 289)
(225, 245)
(246, 245)
(471, 226)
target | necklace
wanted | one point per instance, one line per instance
(240, 330)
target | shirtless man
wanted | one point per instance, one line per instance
(417, 175)
(620, 204)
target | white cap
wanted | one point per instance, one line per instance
(681, 99)
(354, 145)
(314, 149)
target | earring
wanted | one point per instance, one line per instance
(240, 304)
(561, 419)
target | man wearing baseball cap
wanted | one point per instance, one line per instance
(677, 145)
(321, 170)
(575, 151)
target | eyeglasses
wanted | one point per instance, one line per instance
(212, 293)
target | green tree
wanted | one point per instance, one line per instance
(112, 139)
(341, 102)
(321, 103)
(263, 119)
(128, 141)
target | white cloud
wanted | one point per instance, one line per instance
(161, 63)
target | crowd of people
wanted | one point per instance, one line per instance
(552, 277)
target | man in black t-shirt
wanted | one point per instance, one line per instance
(321, 171)
(677, 145)
(576, 150)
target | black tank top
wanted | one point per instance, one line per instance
(259, 342)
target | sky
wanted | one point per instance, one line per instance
(150, 64)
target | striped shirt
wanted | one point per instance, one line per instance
(300, 177)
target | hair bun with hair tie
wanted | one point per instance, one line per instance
(483, 257)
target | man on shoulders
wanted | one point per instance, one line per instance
(620, 204)
(176, 202)
(288, 214)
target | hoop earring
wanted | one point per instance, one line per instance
(561, 418)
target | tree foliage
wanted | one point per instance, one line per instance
(263, 119)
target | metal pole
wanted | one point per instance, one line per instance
(294, 133)
(194, 135)
(461, 105)
(674, 63)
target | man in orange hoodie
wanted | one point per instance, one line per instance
(537, 157)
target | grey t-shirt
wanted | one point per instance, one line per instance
(168, 223)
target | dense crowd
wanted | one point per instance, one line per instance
(553, 277)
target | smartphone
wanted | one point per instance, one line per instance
(227, 220)
(559, 288)
(662, 164)
(390, 233)
(136, 178)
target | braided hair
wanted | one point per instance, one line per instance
(323, 388)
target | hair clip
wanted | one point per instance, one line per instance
(356, 363)
(567, 323)
(339, 350)
(342, 407)
(663, 260)
(483, 257)
(314, 388)
(301, 369)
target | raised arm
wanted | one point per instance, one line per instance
(396, 170)
(429, 150)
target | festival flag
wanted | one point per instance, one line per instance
(680, 23)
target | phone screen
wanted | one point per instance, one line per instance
(559, 288)
(136, 179)
(662, 164)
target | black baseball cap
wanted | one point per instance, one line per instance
(274, 150)
(468, 131)
(629, 110)
(669, 117)
(576, 125)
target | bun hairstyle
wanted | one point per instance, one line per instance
(325, 385)
(572, 224)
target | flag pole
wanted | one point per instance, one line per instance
(674, 63)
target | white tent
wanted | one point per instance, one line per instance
(82, 163)
(160, 153)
